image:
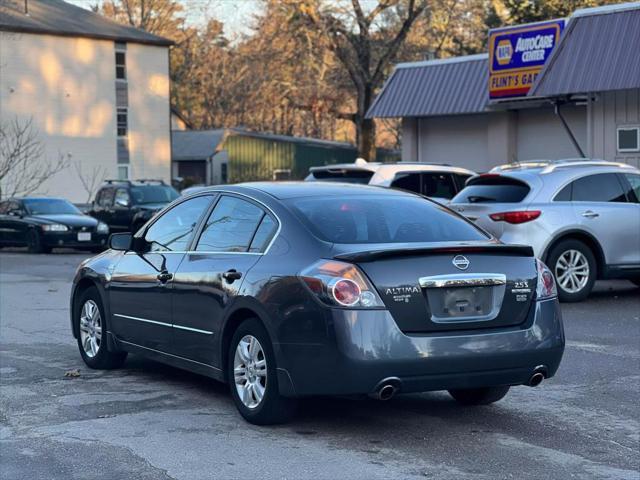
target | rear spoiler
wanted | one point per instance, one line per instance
(495, 249)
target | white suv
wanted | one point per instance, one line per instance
(582, 217)
(439, 182)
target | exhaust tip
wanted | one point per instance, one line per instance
(386, 389)
(536, 379)
(387, 392)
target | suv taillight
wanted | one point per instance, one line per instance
(515, 217)
(340, 284)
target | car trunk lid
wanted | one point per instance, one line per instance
(446, 287)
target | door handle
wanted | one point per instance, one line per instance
(590, 214)
(164, 277)
(232, 275)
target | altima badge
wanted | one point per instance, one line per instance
(461, 262)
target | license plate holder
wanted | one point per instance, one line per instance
(84, 236)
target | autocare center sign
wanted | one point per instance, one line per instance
(517, 54)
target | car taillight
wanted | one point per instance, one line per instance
(546, 287)
(515, 217)
(340, 284)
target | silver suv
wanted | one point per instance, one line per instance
(582, 217)
(439, 182)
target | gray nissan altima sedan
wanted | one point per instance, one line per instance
(286, 290)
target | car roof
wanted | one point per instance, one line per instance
(386, 169)
(293, 189)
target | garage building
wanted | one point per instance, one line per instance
(584, 102)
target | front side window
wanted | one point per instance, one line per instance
(4, 208)
(231, 226)
(174, 229)
(122, 198)
(603, 187)
(121, 65)
(382, 219)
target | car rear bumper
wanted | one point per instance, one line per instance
(70, 240)
(368, 349)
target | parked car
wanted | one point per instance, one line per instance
(582, 217)
(127, 205)
(438, 182)
(44, 223)
(286, 290)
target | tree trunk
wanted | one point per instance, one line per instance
(365, 127)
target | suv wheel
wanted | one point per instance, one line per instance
(574, 268)
(251, 370)
(89, 319)
(479, 396)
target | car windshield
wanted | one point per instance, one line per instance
(153, 194)
(342, 175)
(48, 206)
(382, 219)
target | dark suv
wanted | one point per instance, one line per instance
(127, 205)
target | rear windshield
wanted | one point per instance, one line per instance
(493, 190)
(345, 176)
(382, 219)
(153, 194)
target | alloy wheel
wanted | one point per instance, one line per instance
(572, 271)
(250, 371)
(90, 328)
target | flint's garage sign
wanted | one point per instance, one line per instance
(517, 54)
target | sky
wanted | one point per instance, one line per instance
(235, 14)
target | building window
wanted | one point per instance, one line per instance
(629, 139)
(123, 172)
(123, 122)
(121, 65)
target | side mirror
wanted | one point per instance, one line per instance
(121, 241)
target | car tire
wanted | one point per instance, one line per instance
(270, 408)
(479, 396)
(573, 254)
(35, 244)
(89, 321)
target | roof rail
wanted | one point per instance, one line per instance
(549, 166)
(110, 181)
(150, 180)
(582, 163)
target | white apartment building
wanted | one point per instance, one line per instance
(96, 91)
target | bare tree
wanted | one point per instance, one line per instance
(90, 180)
(23, 164)
(366, 44)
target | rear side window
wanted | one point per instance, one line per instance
(382, 219)
(493, 189)
(603, 187)
(564, 195)
(231, 226)
(338, 175)
(263, 235)
(105, 197)
(634, 183)
(438, 185)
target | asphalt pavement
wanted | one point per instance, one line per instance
(150, 421)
